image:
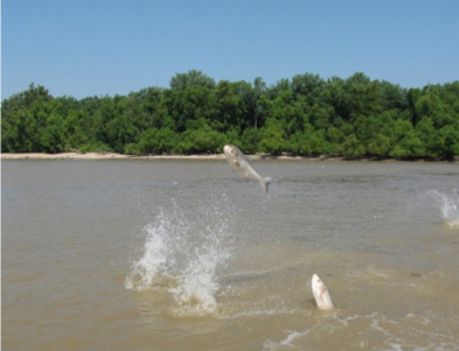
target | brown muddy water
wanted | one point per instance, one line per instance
(186, 255)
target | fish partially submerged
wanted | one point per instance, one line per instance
(321, 294)
(237, 160)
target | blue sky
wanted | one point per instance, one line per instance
(99, 47)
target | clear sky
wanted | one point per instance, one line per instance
(100, 47)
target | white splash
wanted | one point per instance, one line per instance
(197, 286)
(183, 251)
(449, 206)
(153, 262)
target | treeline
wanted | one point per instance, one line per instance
(309, 116)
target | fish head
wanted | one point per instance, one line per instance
(230, 151)
(316, 283)
(318, 286)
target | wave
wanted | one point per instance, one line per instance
(183, 250)
(379, 333)
(267, 312)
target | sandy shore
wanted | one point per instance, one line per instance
(102, 156)
(115, 156)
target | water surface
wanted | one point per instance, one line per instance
(186, 255)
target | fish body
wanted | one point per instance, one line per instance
(321, 294)
(238, 162)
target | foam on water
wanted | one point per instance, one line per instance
(183, 250)
(449, 205)
(373, 331)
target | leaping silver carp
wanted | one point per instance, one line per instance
(321, 294)
(237, 160)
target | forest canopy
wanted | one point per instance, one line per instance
(306, 115)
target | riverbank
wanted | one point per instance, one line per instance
(102, 156)
(116, 156)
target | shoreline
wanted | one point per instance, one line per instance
(101, 156)
(198, 157)
(116, 156)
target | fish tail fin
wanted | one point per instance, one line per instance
(265, 183)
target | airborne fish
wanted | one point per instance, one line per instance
(236, 159)
(321, 294)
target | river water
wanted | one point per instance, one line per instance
(186, 255)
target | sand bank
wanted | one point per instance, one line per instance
(115, 156)
(103, 156)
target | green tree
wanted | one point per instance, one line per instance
(191, 97)
(353, 117)
(272, 137)
(153, 141)
(233, 105)
(201, 138)
(250, 140)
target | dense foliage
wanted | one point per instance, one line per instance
(306, 115)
